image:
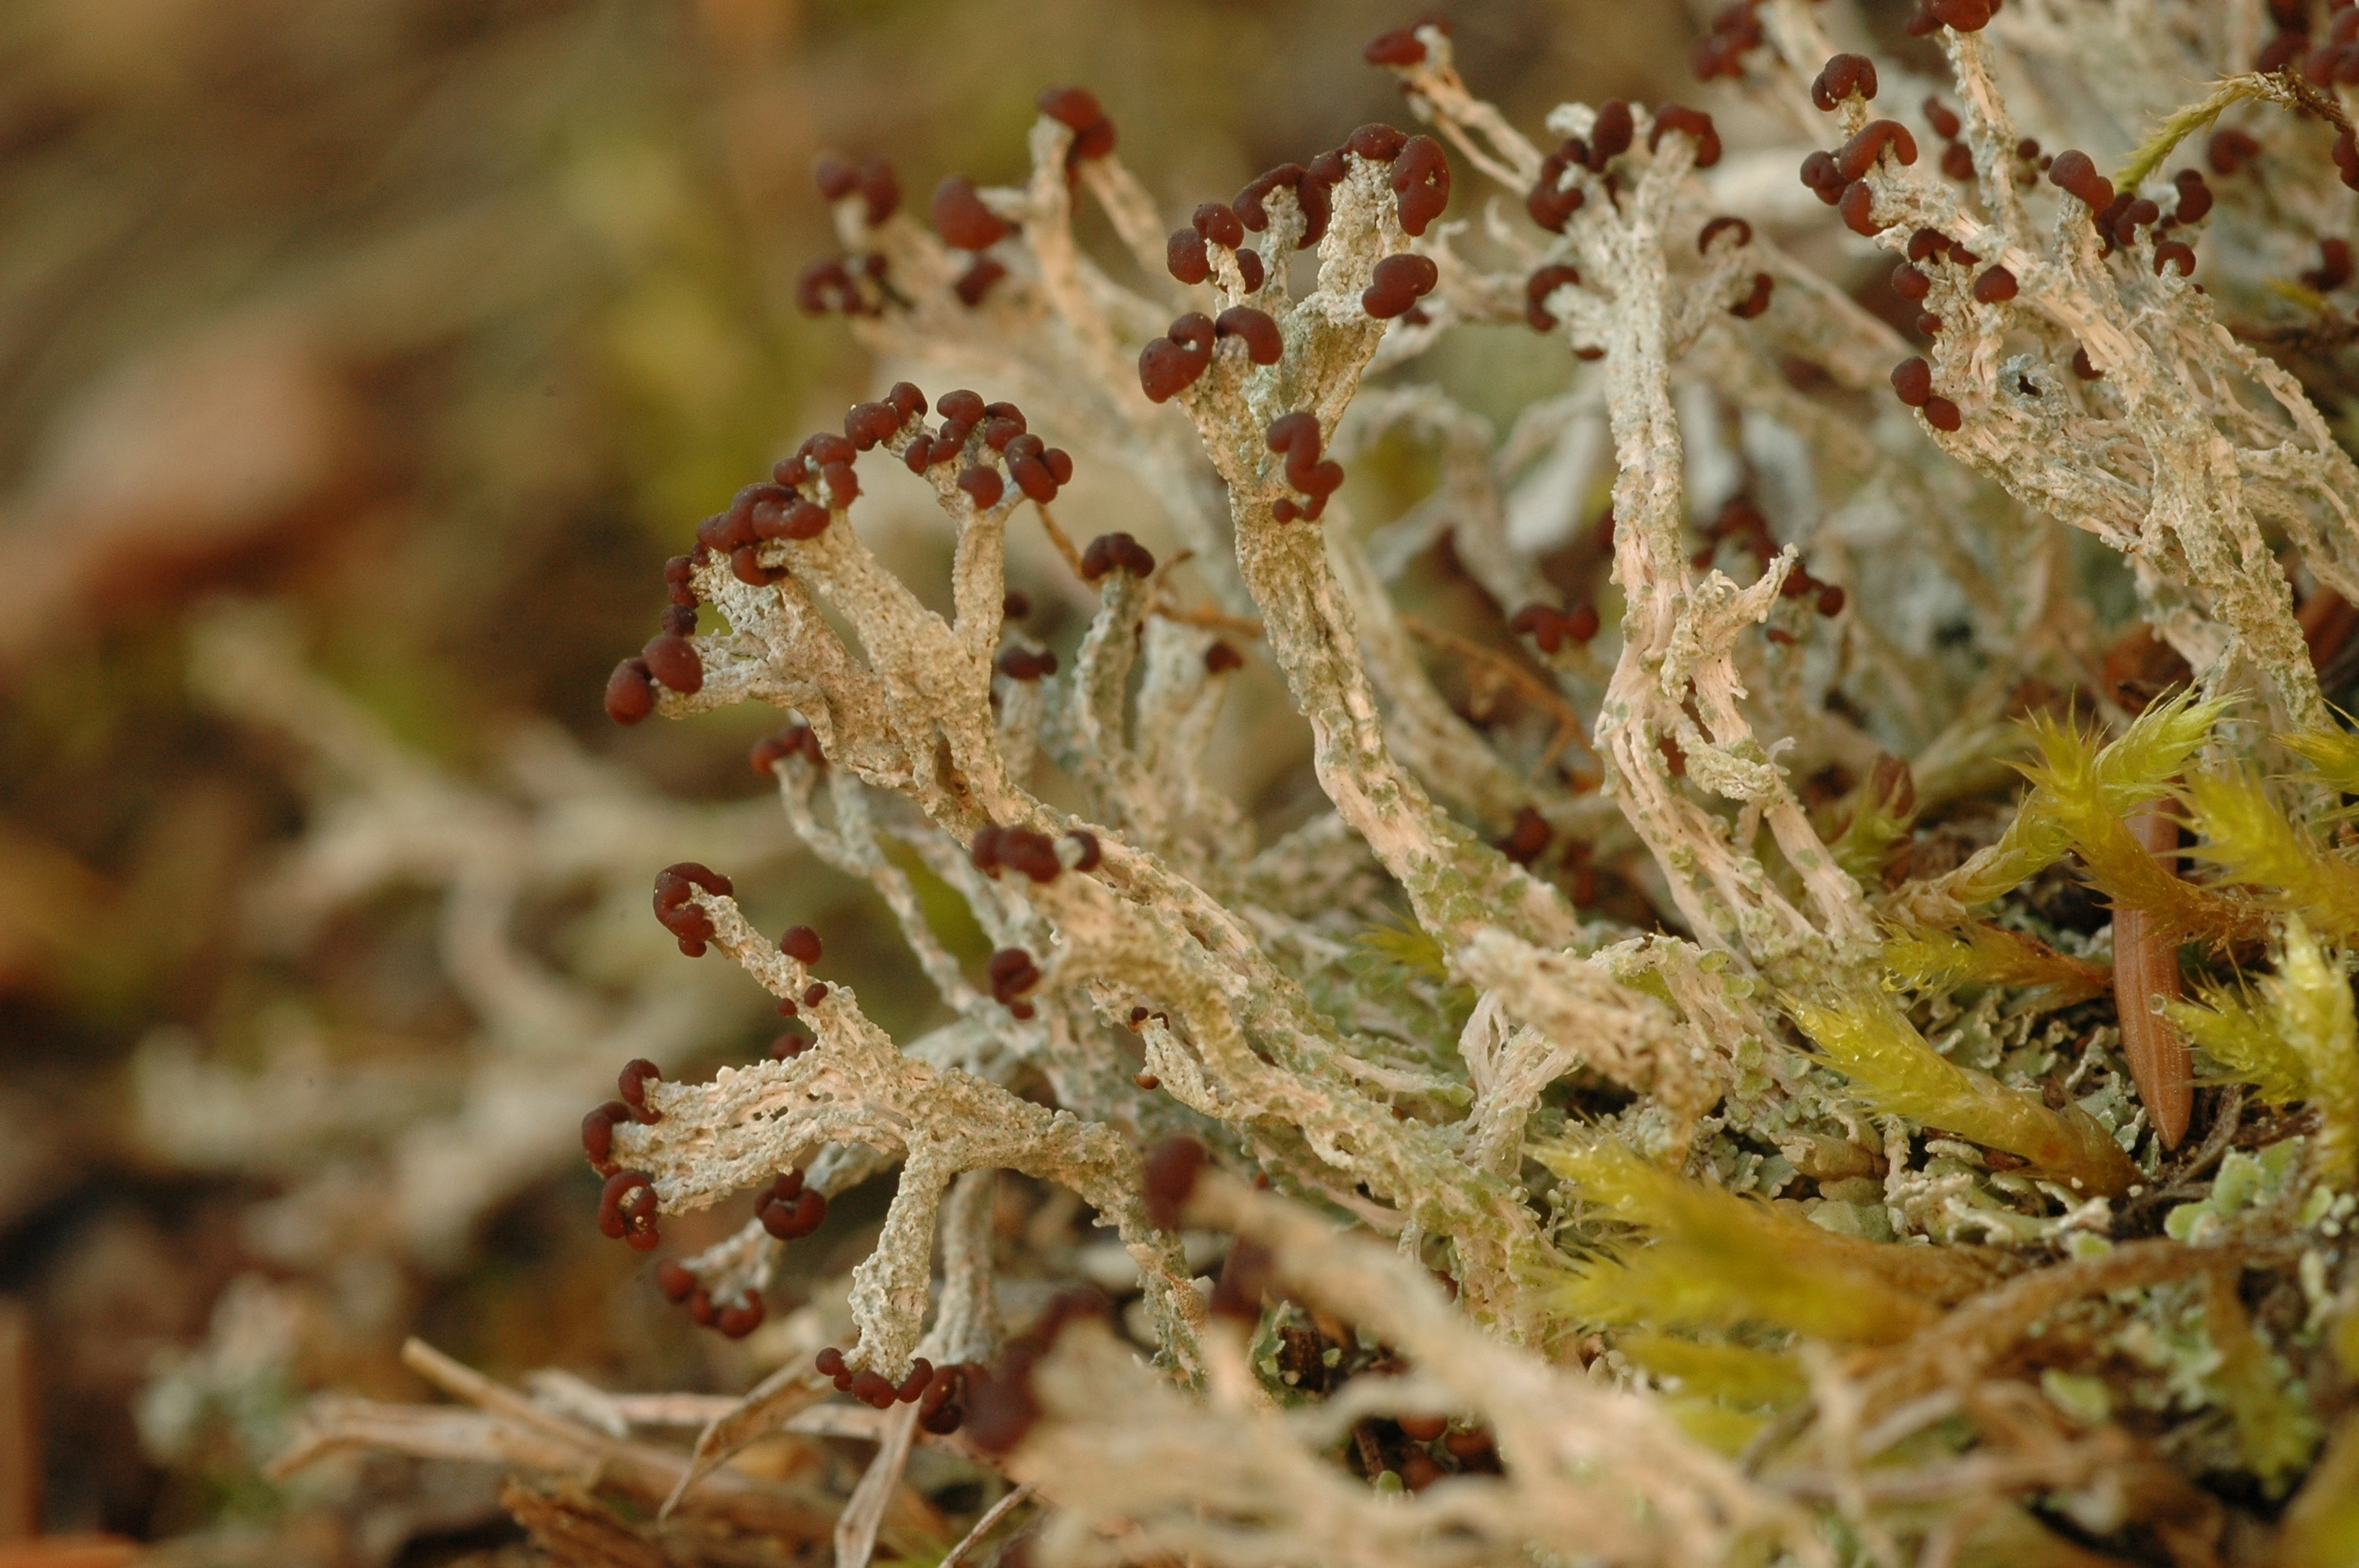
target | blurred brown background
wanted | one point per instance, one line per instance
(438, 323)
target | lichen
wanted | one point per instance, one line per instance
(1741, 1072)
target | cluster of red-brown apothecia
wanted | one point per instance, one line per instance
(627, 1204)
(1737, 30)
(857, 285)
(598, 1127)
(940, 1393)
(809, 489)
(853, 284)
(787, 1209)
(1557, 195)
(1840, 179)
(1957, 159)
(2117, 218)
(966, 223)
(681, 1286)
(1172, 363)
(996, 1404)
(1735, 33)
(1420, 182)
(1030, 854)
(790, 1210)
(1011, 970)
(794, 740)
(1117, 552)
(675, 908)
(1550, 629)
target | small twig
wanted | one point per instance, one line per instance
(1500, 667)
(2324, 332)
(506, 1427)
(774, 1400)
(1785, 1425)
(1975, 1472)
(1215, 620)
(2180, 1182)
(998, 1511)
(863, 1513)
(1160, 603)
(2225, 1120)
(2325, 105)
(672, 1409)
(1058, 538)
(20, 1426)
